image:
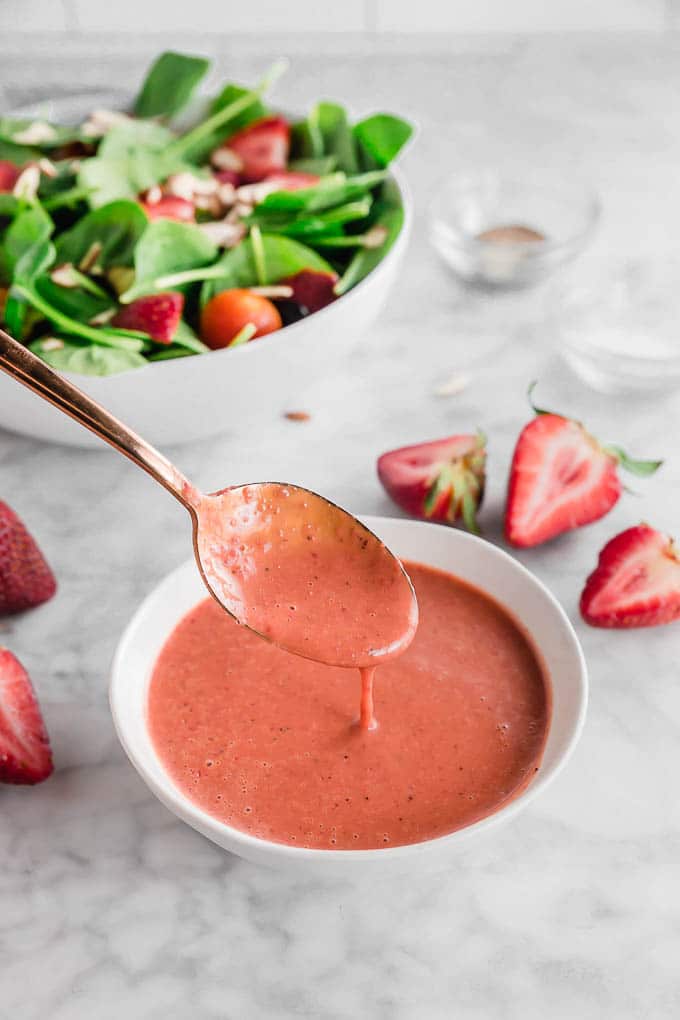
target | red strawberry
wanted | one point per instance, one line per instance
(636, 582)
(25, 754)
(170, 207)
(293, 180)
(228, 177)
(25, 578)
(561, 478)
(312, 290)
(438, 481)
(9, 175)
(156, 314)
(262, 147)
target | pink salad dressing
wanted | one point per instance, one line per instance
(270, 743)
(304, 574)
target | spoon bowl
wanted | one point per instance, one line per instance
(303, 573)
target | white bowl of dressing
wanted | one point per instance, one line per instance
(471, 559)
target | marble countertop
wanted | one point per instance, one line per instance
(109, 906)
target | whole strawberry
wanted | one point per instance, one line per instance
(25, 754)
(561, 478)
(438, 481)
(636, 582)
(25, 578)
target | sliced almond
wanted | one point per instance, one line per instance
(297, 415)
(454, 385)
(35, 134)
(27, 183)
(89, 259)
(280, 290)
(47, 167)
(225, 158)
(52, 343)
(100, 122)
(102, 317)
(223, 233)
(375, 237)
(252, 194)
(64, 276)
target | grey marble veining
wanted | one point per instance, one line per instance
(110, 907)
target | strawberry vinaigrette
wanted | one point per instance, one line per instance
(288, 750)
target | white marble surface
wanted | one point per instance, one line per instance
(109, 907)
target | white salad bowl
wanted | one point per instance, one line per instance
(469, 558)
(185, 399)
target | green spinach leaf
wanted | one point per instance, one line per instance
(336, 189)
(382, 136)
(132, 157)
(387, 213)
(117, 227)
(170, 84)
(167, 248)
(330, 121)
(66, 355)
(75, 302)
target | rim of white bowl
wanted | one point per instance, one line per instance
(245, 350)
(252, 846)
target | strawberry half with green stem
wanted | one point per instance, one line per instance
(25, 754)
(438, 481)
(561, 478)
(25, 578)
(636, 582)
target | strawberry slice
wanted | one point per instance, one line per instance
(156, 314)
(312, 290)
(562, 478)
(25, 754)
(25, 578)
(9, 175)
(228, 177)
(293, 180)
(438, 481)
(636, 582)
(262, 148)
(170, 207)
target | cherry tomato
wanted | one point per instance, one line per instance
(227, 313)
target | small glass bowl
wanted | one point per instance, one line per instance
(617, 323)
(530, 224)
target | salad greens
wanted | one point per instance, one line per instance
(125, 210)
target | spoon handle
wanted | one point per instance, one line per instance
(20, 363)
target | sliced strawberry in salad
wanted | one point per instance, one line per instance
(156, 314)
(312, 289)
(170, 207)
(562, 478)
(25, 754)
(438, 481)
(293, 180)
(262, 148)
(9, 175)
(636, 582)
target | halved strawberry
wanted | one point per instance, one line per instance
(9, 175)
(170, 207)
(293, 180)
(636, 582)
(262, 147)
(561, 478)
(25, 754)
(25, 578)
(312, 290)
(156, 314)
(438, 481)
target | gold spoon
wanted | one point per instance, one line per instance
(282, 560)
